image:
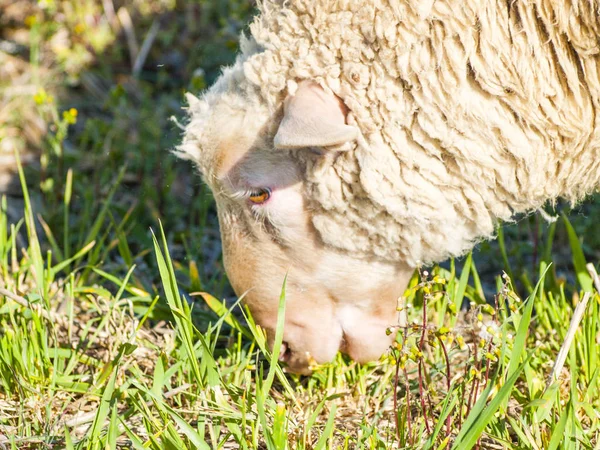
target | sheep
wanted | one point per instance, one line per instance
(353, 141)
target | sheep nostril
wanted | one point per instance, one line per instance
(285, 352)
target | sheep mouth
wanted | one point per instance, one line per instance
(285, 352)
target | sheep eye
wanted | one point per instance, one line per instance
(260, 196)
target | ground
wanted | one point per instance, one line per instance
(118, 328)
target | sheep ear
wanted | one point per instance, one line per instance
(313, 118)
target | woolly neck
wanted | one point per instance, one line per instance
(469, 112)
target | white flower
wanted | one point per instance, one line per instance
(489, 329)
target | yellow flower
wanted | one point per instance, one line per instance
(40, 97)
(439, 280)
(488, 309)
(30, 21)
(70, 116)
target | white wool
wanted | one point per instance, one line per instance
(469, 112)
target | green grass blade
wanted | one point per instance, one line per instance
(327, 430)
(102, 412)
(278, 338)
(481, 415)
(523, 327)
(462, 285)
(224, 313)
(447, 407)
(179, 309)
(60, 266)
(503, 252)
(186, 428)
(66, 208)
(583, 277)
(558, 434)
(34, 243)
(113, 429)
(136, 442)
(68, 440)
(98, 223)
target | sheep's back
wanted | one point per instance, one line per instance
(469, 111)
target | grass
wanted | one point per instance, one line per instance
(119, 331)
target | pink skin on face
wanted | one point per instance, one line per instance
(334, 301)
(330, 304)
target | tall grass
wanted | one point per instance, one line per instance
(81, 366)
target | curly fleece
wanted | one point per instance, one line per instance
(469, 112)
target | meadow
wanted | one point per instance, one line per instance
(118, 328)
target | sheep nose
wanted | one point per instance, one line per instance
(285, 352)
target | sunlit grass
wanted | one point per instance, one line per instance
(82, 366)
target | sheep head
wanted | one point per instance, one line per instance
(255, 160)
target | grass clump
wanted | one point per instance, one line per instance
(82, 366)
(114, 337)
